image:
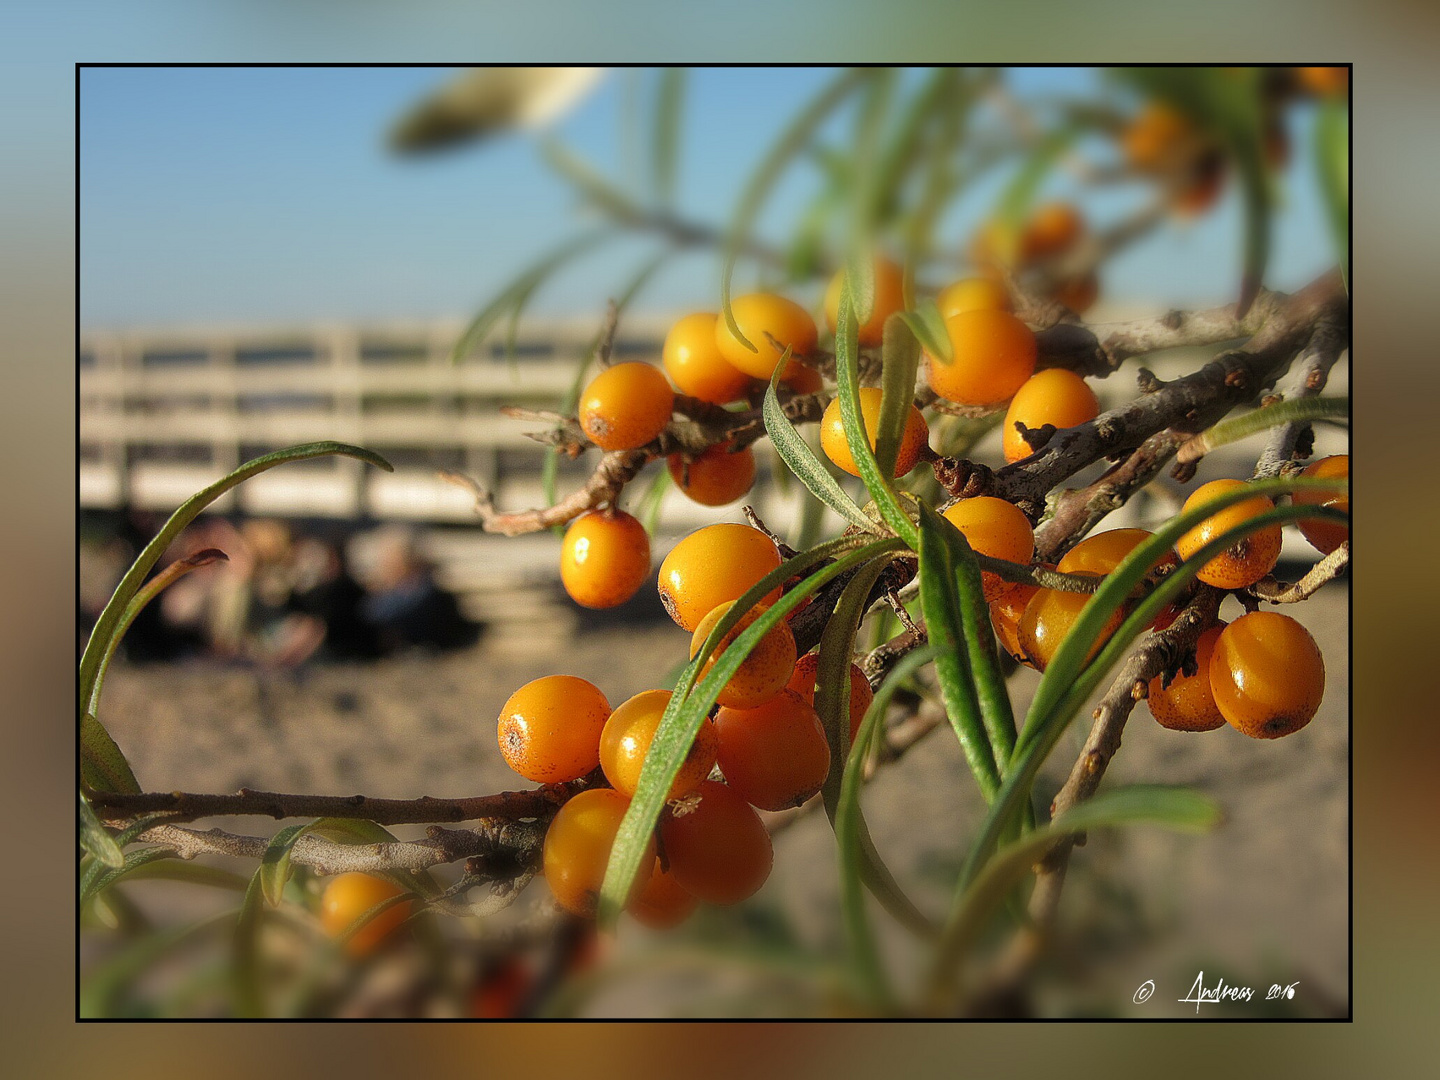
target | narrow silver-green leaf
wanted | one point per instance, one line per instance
(1332, 166)
(900, 355)
(1258, 420)
(928, 326)
(596, 188)
(249, 1001)
(96, 839)
(275, 863)
(796, 453)
(97, 878)
(669, 108)
(1020, 194)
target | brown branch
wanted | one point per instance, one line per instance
(1326, 570)
(1312, 371)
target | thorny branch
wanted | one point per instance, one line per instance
(1326, 570)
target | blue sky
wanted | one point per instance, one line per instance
(261, 195)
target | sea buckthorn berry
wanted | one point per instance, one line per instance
(627, 737)
(1102, 552)
(713, 565)
(1249, 560)
(1155, 136)
(764, 672)
(693, 361)
(1326, 536)
(913, 440)
(762, 316)
(775, 756)
(972, 294)
(662, 903)
(1324, 81)
(718, 476)
(802, 378)
(1079, 293)
(1188, 703)
(604, 559)
(1048, 618)
(718, 848)
(1052, 230)
(993, 354)
(577, 849)
(995, 528)
(626, 406)
(501, 992)
(1006, 611)
(889, 297)
(1054, 396)
(349, 896)
(994, 244)
(803, 682)
(550, 729)
(1267, 675)
(1201, 189)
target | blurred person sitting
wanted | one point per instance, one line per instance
(406, 608)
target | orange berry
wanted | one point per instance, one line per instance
(577, 849)
(1054, 396)
(762, 316)
(1052, 230)
(1006, 611)
(971, 294)
(695, 365)
(1249, 560)
(802, 378)
(1188, 704)
(993, 354)
(994, 244)
(914, 439)
(995, 528)
(604, 559)
(626, 741)
(1079, 294)
(1202, 188)
(802, 681)
(775, 756)
(549, 730)
(501, 992)
(718, 476)
(1102, 552)
(1048, 618)
(662, 903)
(713, 565)
(1326, 536)
(1324, 81)
(889, 298)
(719, 850)
(1267, 675)
(626, 406)
(1155, 136)
(763, 673)
(349, 896)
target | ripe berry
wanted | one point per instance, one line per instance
(713, 565)
(913, 440)
(764, 671)
(1079, 293)
(718, 476)
(1054, 396)
(1155, 136)
(604, 559)
(1326, 536)
(349, 896)
(775, 756)
(802, 378)
(577, 849)
(1006, 611)
(627, 738)
(1249, 560)
(889, 297)
(1102, 552)
(718, 848)
(1048, 618)
(662, 903)
(1267, 675)
(1052, 230)
(762, 316)
(626, 406)
(1324, 81)
(993, 354)
(995, 528)
(803, 683)
(1188, 704)
(550, 729)
(501, 992)
(693, 361)
(971, 294)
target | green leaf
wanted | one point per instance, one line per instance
(900, 353)
(96, 879)
(945, 624)
(522, 287)
(275, 863)
(1258, 420)
(1019, 196)
(96, 839)
(941, 184)
(847, 380)
(1332, 167)
(104, 983)
(849, 823)
(906, 148)
(588, 181)
(928, 326)
(193, 873)
(1172, 807)
(691, 703)
(669, 109)
(245, 951)
(102, 766)
(790, 142)
(796, 453)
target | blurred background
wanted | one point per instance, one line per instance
(275, 256)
